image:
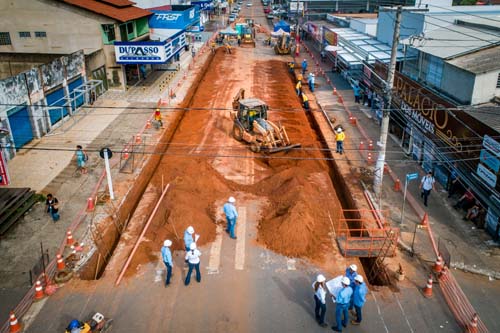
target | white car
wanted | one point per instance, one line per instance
(249, 4)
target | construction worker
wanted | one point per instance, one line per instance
(310, 81)
(189, 237)
(305, 101)
(299, 77)
(212, 47)
(298, 87)
(291, 66)
(166, 256)
(193, 259)
(342, 303)
(320, 300)
(304, 66)
(339, 138)
(351, 271)
(239, 40)
(228, 48)
(359, 298)
(231, 216)
(157, 117)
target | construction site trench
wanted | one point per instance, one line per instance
(300, 193)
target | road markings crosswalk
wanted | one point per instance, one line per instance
(215, 252)
(239, 258)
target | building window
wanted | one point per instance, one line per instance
(498, 81)
(5, 38)
(24, 34)
(130, 28)
(109, 32)
(40, 34)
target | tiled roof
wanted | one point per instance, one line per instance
(120, 10)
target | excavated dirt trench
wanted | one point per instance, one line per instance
(204, 165)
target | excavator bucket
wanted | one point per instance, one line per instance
(278, 149)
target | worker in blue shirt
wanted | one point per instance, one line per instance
(188, 237)
(351, 273)
(359, 298)
(343, 298)
(166, 256)
(304, 66)
(231, 216)
(357, 93)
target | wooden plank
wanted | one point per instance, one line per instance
(24, 207)
(11, 197)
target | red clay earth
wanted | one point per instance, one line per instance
(301, 199)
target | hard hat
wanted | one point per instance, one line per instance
(320, 278)
(231, 200)
(167, 243)
(346, 281)
(358, 278)
(192, 246)
(354, 268)
(190, 230)
(339, 130)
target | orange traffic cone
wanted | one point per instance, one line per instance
(352, 120)
(425, 220)
(370, 145)
(473, 324)
(428, 288)
(90, 205)
(386, 168)
(14, 325)
(369, 159)
(39, 291)
(334, 91)
(361, 145)
(138, 139)
(148, 123)
(397, 185)
(125, 154)
(60, 263)
(69, 238)
(438, 265)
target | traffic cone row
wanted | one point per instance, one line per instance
(69, 238)
(14, 325)
(60, 262)
(397, 185)
(438, 265)
(473, 323)
(39, 294)
(428, 288)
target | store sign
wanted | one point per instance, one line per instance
(4, 172)
(489, 177)
(179, 20)
(492, 145)
(174, 44)
(204, 5)
(140, 52)
(489, 160)
(330, 37)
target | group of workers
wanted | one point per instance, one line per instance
(351, 295)
(298, 85)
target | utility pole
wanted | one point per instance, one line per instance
(384, 130)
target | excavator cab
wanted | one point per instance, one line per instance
(250, 110)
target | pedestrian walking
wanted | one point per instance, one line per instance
(81, 159)
(305, 101)
(339, 138)
(231, 216)
(310, 81)
(342, 303)
(304, 66)
(189, 237)
(359, 298)
(52, 205)
(212, 47)
(166, 256)
(357, 93)
(370, 96)
(426, 185)
(453, 180)
(193, 52)
(319, 287)
(193, 259)
(298, 87)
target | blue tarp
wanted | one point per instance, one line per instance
(282, 25)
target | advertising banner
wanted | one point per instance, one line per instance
(163, 19)
(204, 5)
(140, 52)
(4, 173)
(174, 44)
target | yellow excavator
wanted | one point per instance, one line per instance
(247, 36)
(251, 125)
(283, 44)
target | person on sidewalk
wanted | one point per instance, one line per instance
(466, 201)
(193, 259)
(319, 287)
(339, 138)
(359, 298)
(231, 216)
(158, 121)
(305, 101)
(81, 159)
(304, 66)
(357, 93)
(166, 256)
(212, 47)
(426, 185)
(189, 237)
(342, 303)
(52, 207)
(298, 87)
(453, 180)
(193, 52)
(310, 81)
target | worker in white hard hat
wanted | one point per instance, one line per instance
(342, 304)
(193, 259)
(166, 256)
(339, 138)
(231, 216)
(319, 287)
(189, 237)
(351, 273)
(359, 298)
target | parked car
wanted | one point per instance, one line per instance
(267, 10)
(270, 16)
(232, 18)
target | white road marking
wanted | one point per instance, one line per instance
(380, 313)
(215, 250)
(239, 258)
(404, 314)
(159, 269)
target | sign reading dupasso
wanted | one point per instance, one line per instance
(140, 52)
